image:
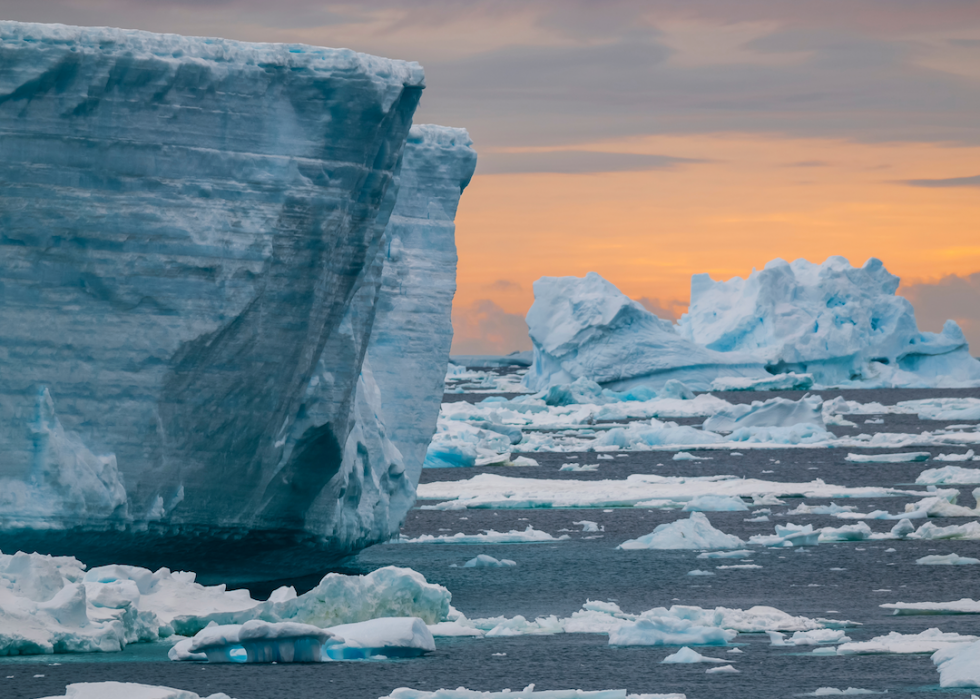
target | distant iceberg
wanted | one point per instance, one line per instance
(586, 327)
(843, 325)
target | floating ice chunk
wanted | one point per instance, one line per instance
(927, 641)
(519, 626)
(688, 656)
(779, 382)
(525, 461)
(849, 532)
(263, 642)
(775, 412)
(900, 458)
(951, 559)
(930, 531)
(485, 561)
(669, 631)
(963, 606)
(488, 490)
(586, 327)
(343, 599)
(699, 573)
(589, 526)
(949, 475)
(392, 637)
(742, 553)
(831, 320)
(579, 467)
(715, 503)
(489, 536)
(835, 692)
(967, 456)
(951, 409)
(527, 693)
(903, 529)
(808, 638)
(788, 535)
(831, 509)
(693, 533)
(128, 690)
(739, 566)
(958, 665)
(454, 629)
(723, 670)
(688, 456)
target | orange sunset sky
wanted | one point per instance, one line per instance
(651, 140)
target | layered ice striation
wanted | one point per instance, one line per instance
(839, 323)
(229, 322)
(586, 327)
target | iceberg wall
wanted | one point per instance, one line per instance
(842, 324)
(586, 327)
(194, 261)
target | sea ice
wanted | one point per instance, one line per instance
(687, 656)
(485, 561)
(949, 475)
(743, 553)
(965, 456)
(835, 692)
(951, 559)
(693, 533)
(958, 665)
(715, 503)
(927, 641)
(586, 327)
(775, 412)
(668, 631)
(844, 325)
(391, 637)
(488, 490)
(815, 637)
(261, 641)
(779, 382)
(526, 693)
(489, 536)
(723, 670)
(963, 606)
(900, 458)
(128, 690)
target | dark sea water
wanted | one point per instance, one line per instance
(558, 578)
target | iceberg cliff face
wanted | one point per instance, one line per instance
(194, 255)
(840, 323)
(586, 327)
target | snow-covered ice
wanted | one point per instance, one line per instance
(949, 475)
(722, 670)
(775, 412)
(257, 642)
(276, 204)
(390, 637)
(841, 324)
(962, 606)
(899, 458)
(529, 536)
(958, 665)
(128, 690)
(951, 559)
(927, 641)
(526, 693)
(586, 327)
(695, 532)
(687, 656)
(669, 631)
(815, 637)
(485, 561)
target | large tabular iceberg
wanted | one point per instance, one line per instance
(837, 322)
(206, 251)
(586, 327)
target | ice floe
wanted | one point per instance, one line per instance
(485, 561)
(958, 665)
(669, 631)
(927, 641)
(815, 637)
(693, 533)
(962, 606)
(775, 412)
(722, 670)
(489, 536)
(128, 690)
(951, 559)
(526, 693)
(687, 656)
(899, 458)
(488, 490)
(835, 692)
(949, 475)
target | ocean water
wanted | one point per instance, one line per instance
(847, 580)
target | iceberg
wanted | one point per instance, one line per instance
(843, 325)
(485, 561)
(951, 559)
(585, 327)
(260, 642)
(949, 475)
(687, 656)
(669, 631)
(775, 412)
(693, 533)
(264, 312)
(899, 458)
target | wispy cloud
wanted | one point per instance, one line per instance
(483, 327)
(947, 182)
(575, 162)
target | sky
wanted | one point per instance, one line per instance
(648, 141)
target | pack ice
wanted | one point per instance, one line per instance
(227, 269)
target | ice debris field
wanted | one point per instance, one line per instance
(778, 492)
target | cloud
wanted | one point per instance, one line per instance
(575, 162)
(809, 163)
(668, 309)
(504, 285)
(953, 296)
(483, 327)
(947, 182)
